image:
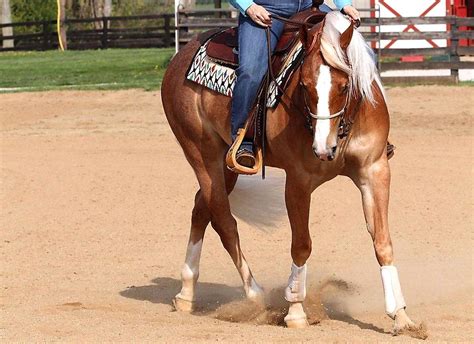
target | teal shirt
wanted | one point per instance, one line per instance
(243, 5)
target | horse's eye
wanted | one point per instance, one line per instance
(345, 88)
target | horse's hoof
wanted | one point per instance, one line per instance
(257, 296)
(404, 326)
(415, 331)
(181, 305)
(297, 323)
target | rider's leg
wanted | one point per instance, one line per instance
(253, 64)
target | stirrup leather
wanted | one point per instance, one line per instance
(231, 157)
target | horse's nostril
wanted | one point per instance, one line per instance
(334, 149)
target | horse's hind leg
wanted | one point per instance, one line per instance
(190, 273)
(213, 189)
(374, 184)
(212, 205)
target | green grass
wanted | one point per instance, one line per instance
(92, 69)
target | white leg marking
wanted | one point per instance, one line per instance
(251, 287)
(394, 300)
(323, 87)
(295, 293)
(296, 290)
(190, 272)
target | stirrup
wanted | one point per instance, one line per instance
(231, 157)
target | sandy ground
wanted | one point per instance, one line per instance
(95, 209)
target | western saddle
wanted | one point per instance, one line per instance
(222, 48)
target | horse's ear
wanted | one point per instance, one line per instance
(346, 36)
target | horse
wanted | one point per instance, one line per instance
(337, 77)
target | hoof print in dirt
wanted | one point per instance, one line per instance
(415, 331)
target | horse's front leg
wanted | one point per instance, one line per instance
(297, 198)
(374, 183)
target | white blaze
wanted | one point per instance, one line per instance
(323, 126)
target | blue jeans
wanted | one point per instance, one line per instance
(253, 61)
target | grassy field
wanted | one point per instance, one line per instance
(93, 69)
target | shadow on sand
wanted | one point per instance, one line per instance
(333, 312)
(210, 296)
(324, 301)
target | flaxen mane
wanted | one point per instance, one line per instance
(357, 61)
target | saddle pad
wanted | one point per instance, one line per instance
(221, 78)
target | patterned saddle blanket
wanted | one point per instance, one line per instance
(216, 60)
(221, 78)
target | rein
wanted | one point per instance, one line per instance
(344, 125)
(271, 78)
(289, 21)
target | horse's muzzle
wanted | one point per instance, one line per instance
(327, 155)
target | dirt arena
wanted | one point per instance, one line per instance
(95, 211)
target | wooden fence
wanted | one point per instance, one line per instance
(159, 31)
(96, 33)
(451, 57)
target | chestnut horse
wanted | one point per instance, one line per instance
(337, 76)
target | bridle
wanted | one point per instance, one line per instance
(344, 125)
(316, 116)
(345, 122)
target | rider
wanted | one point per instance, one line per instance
(254, 17)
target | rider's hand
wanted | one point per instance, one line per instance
(259, 15)
(351, 12)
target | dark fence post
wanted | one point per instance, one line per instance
(167, 31)
(218, 4)
(45, 36)
(454, 48)
(105, 33)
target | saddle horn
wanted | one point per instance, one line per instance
(317, 3)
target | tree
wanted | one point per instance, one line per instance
(107, 8)
(6, 19)
(33, 10)
(90, 9)
(188, 3)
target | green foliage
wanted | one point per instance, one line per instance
(126, 7)
(92, 69)
(37, 10)
(33, 10)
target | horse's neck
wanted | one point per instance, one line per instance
(368, 118)
(291, 107)
(288, 118)
(292, 102)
